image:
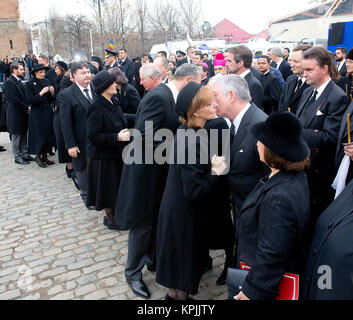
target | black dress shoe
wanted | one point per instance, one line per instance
(29, 158)
(40, 163)
(2, 149)
(92, 208)
(139, 288)
(47, 161)
(21, 161)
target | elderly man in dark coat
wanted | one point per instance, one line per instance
(17, 114)
(329, 270)
(142, 185)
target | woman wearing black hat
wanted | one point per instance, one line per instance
(179, 238)
(127, 95)
(41, 97)
(273, 222)
(107, 131)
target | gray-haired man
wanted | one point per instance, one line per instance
(142, 185)
(232, 96)
(279, 63)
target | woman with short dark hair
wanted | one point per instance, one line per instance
(273, 223)
(127, 94)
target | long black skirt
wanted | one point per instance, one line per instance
(103, 180)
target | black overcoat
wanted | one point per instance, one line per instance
(217, 225)
(142, 185)
(104, 121)
(272, 231)
(289, 98)
(41, 137)
(179, 233)
(17, 117)
(129, 98)
(256, 90)
(62, 153)
(321, 121)
(128, 67)
(332, 250)
(73, 116)
(246, 169)
(272, 93)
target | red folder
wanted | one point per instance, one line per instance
(288, 287)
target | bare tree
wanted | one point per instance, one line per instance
(141, 13)
(191, 14)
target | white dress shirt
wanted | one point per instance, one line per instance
(244, 74)
(83, 92)
(174, 90)
(321, 89)
(240, 116)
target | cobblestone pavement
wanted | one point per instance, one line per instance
(52, 247)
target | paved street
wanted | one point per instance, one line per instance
(52, 247)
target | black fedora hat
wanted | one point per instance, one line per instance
(185, 97)
(282, 133)
(38, 67)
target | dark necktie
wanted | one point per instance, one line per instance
(87, 95)
(299, 85)
(310, 102)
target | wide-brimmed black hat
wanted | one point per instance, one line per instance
(111, 53)
(38, 67)
(282, 133)
(185, 97)
(102, 81)
(63, 65)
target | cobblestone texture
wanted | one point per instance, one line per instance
(52, 247)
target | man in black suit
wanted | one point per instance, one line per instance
(295, 84)
(163, 66)
(127, 66)
(239, 60)
(233, 102)
(74, 103)
(341, 54)
(142, 184)
(279, 63)
(110, 59)
(272, 88)
(211, 72)
(189, 56)
(50, 73)
(320, 111)
(17, 114)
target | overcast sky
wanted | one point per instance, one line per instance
(251, 15)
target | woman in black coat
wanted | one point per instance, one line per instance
(127, 95)
(107, 131)
(272, 225)
(66, 81)
(40, 96)
(180, 236)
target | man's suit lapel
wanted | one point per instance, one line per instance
(343, 130)
(242, 130)
(79, 95)
(311, 111)
(304, 101)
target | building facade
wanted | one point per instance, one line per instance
(15, 40)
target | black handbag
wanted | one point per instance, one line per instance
(235, 280)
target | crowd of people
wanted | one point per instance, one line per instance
(268, 202)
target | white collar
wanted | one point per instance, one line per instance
(83, 89)
(171, 85)
(302, 79)
(279, 63)
(240, 116)
(321, 89)
(244, 74)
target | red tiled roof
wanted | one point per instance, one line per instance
(225, 27)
